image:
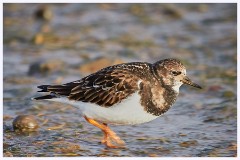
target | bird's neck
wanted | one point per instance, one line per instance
(176, 87)
(157, 99)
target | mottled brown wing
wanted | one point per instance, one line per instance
(105, 88)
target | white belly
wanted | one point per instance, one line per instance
(128, 111)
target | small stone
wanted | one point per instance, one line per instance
(46, 39)
(172, 11)
(228, 94)
(43, 13)
(38, 38)
(232, 147)
(152, 155)
(45, 67)
(62, 146)
(182, 134)
(188, 143)
(25, 123)
(7, 154)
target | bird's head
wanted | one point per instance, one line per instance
(171, 72)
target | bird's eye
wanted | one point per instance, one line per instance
(175, 73)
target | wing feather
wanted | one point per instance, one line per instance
(105, 87)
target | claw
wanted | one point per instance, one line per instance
(112, 135)
(109, 135)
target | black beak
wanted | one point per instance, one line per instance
(187, 81)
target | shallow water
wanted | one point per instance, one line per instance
(81, 38)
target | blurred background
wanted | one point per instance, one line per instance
(58, 43)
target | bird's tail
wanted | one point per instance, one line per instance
(44, 89)
(50, 96)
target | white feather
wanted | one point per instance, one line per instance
(177, 86)
(129, 111)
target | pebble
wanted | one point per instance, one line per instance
(188, 143)
(25, 123)
(44, 67)
(43, 13)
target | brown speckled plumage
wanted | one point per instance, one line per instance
(111, 85)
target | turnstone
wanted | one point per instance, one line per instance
(123, 94)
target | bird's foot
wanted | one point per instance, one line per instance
(109, 144)
(113, 137)
(110, 137)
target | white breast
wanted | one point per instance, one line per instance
(129, 111)
(177, 86)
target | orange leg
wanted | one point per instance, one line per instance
(108, 134)
(105, 138)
